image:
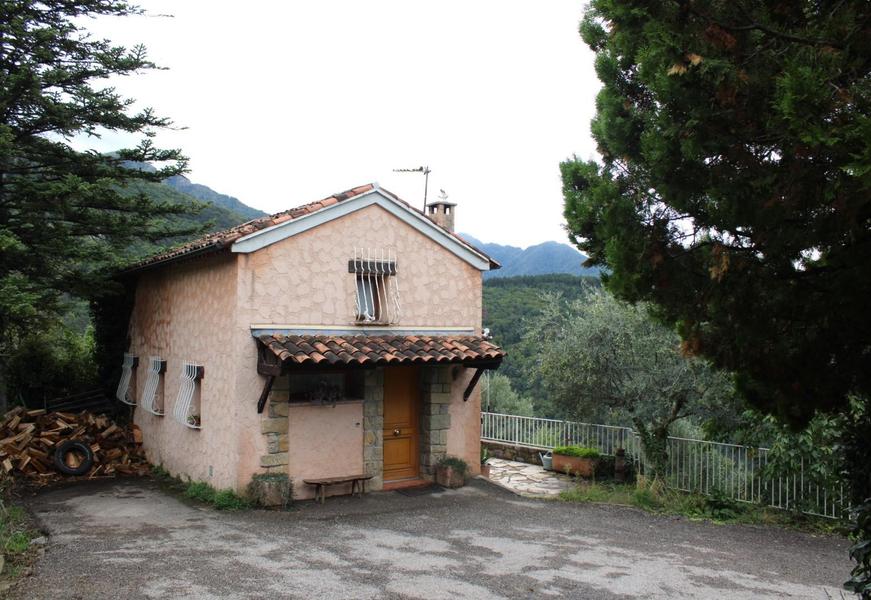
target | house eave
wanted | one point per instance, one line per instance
(271, 235)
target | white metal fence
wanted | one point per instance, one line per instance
(737, 472)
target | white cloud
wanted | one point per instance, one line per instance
(284, 103)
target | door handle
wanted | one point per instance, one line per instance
(396, 432)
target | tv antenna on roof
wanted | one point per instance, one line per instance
(426, 172)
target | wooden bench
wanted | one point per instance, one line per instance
(358, 484)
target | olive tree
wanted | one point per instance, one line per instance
(611, 360)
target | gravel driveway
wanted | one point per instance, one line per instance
(128, 539)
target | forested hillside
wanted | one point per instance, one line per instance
(510, 303)
(218, 211)
(207, 194)
(211, 216)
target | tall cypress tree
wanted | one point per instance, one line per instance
(734, 191)
(65, 217)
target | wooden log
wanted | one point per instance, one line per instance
(107, 432)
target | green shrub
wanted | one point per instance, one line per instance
(220, 499)
(17, 543)
(160, 472)
(646, 498)
(228, 500)
(719, 507)
(577, 451)
(458, 464)
(860, 551)
(63, 359)
(200, 491)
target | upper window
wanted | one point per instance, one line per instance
(376, 293)
(126, 391)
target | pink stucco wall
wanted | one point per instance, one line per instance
(464, 436)
(201, 310)
(304, 280)
(324, 441)
(187, 312)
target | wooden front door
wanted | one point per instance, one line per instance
(401, 400)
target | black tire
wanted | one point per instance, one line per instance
(65, 448)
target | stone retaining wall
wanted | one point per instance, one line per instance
(513, 452)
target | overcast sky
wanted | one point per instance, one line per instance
(288, 102)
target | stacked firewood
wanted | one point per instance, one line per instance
(29, 440)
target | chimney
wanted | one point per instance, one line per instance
(441, 212)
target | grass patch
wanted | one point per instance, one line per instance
(16, 533)
(200, 491)
(229, 500)
(656, 499)
(595, 492)
(220, 499)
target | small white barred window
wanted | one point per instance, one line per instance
(187, 403)
(124, 393)
(376, 294)
(152, 395)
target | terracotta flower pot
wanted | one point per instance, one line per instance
(574, 465)
(449, 477)
(485, 471)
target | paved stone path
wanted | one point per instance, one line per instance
(528, 480)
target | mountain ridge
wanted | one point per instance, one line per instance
(224, 211)
(203, 193)
(539, 259)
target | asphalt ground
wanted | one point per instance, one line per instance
(128, 539)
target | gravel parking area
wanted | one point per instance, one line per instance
(128, 539)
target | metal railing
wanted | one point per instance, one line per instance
(712, 468)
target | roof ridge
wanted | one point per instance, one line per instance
(219, 240)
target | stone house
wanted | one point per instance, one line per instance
(340, 337)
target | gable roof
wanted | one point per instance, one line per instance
(263, 231)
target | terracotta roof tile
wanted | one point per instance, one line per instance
(380, 350)
(222, 240)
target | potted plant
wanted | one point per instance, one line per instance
(485, 468)
(575, 460)
(451, 472)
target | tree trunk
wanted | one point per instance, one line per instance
(654, 445)
(4, 402)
